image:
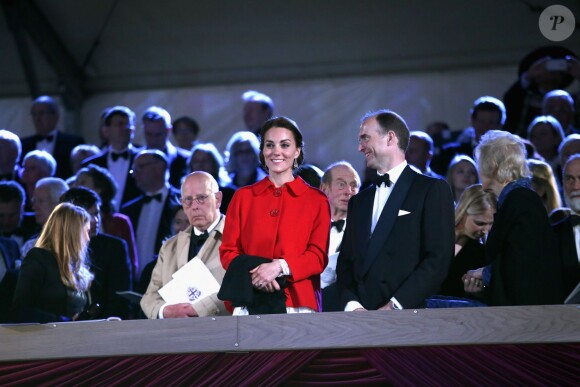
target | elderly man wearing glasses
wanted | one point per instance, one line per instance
(201, 201)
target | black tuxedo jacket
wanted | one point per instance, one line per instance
(65, 143)
(408, 255)
(10, 253)
(567, 244)
(131, 191)
(172, 202)
(177, 165)
(112, 269)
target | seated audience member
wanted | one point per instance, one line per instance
(35, 166)
(113, 223)
(118, 156)
(201, 202)
(9, 269)
(80, 153)
(45, 198)
(156, 128)
(108, 258)
(420, 152)
(441, 134)
(45, 115)
(185, 131)
(536, 77)
(544, 183)
(560, 105)
(546, 134)
(473, 219)
(258, 108)
(54, 278)
(180, 223)
(151, 213)
(205, 157)
(14, 223)
(487, 113)
(242, 159)
(524, 267)
(462, 173)
(10, 151)
(568, 147)
(311, 174)
(340, 182)
(566, 224)
(275, 242)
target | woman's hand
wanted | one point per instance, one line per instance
(473, 282)
(264, 276)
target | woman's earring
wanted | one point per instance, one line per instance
(295, 165)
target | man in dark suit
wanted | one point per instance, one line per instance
(152, 213)
(486, 114)
(9, 258)
(108, 256)
(119, 128)
(566, 224)
(45, 115)
(156, 127)
(14, 222)
(399, 238)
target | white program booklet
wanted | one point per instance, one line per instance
(191, 283)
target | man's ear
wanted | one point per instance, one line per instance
(219, 196)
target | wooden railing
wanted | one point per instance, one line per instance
(421, 327)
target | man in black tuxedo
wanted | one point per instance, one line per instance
(156, 127)
(566, 224)
(118, 156)
(399, 238)
(152, 213)
(45, 115)
(108, 256)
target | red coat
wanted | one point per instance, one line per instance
(291, 222)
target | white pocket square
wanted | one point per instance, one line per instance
(403, 212)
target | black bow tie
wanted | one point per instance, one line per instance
(383, 179)
(49, 138)
(147, 198)
(575, 220)
(196, 243)
(338, 224)
(124, 155)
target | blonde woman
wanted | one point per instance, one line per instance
(524, 267)
(54, 277)
(544, 183)
(473, 220)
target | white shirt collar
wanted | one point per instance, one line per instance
(395, 173)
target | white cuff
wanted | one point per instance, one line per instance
(284, 266)
(352, 305)
(396, 304)
(160, 315)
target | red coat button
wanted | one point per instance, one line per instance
(277, 192)
(274, 213)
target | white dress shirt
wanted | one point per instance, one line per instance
(48, 146)
(120, 171)
(146, 233)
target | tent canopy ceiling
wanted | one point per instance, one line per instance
(184, 43)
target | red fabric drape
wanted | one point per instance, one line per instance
(535, 364)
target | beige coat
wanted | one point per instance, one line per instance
(172, 256)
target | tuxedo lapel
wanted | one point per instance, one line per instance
(363, 225)
(387, 219)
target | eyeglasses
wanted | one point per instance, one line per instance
(200, 199)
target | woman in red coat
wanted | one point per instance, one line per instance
(283, 219)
